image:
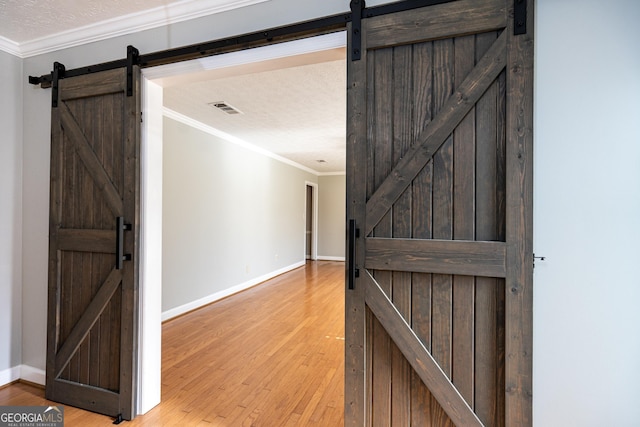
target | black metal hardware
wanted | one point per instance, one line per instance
(323, 25)
(57, 74)
(354, 233)
(357, 6)
(121, 227)
(541, 258)
(133, 58)
(118, 419)
(519, 17)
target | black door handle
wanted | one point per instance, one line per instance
(121, 227)
(354, 233)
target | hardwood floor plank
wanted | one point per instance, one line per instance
(269, 356)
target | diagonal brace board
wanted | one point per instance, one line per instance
(418, 356)
(437, 131)
(87, 320)
(88, 156)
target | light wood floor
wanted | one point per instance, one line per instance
(270, 356)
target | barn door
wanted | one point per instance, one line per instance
(93, 247)
(439, 302)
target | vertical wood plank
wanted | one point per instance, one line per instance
(464, 229)
(106, 338)
(54, 288)
(75, 285)
(519, 225)
(501, 195)
(441, 349)
(96, 274)
(102, 219)
(83, 351)
(382, 153)
(356, 405)
(88, 194)
(422, 188)
(401, 293)
(487, 219)
(129, 133)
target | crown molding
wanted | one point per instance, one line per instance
(132, 23)
(10, 47)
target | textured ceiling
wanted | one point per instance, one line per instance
(297, 112)
(24, 20)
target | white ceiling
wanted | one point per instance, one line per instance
(26, 20)
(293, 106)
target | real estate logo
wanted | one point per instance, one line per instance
(31, 416)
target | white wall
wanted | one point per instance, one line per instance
(231, 216)
(331, 216)
(11, 85)
(587, 213)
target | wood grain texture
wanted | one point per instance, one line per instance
(489, 321)
(355, 313)
(442, 200)
(519, 226)
(464, 180)
(131, 115)
(382, 148)
(401, 227)
(272, 355)
(441, 21)
(421, 360)
(437, 214)
(87, 240)
(102, 180)
(95, 177)
(89, 316)
(105, 82)
(454, 109)
(437, 256)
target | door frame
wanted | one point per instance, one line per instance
(314, 220)
(150, 287)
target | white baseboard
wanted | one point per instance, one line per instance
(22, 372)
(331, 258)
(9, 375)
(33, 375)
(177, 311)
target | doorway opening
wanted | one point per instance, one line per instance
(156, 82)
(311, 221)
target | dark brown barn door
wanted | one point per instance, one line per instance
(92, 295)
(438, 323)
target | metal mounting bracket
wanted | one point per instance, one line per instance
(56, 75)
(519, 17)
(357, 6)
(133, 58)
